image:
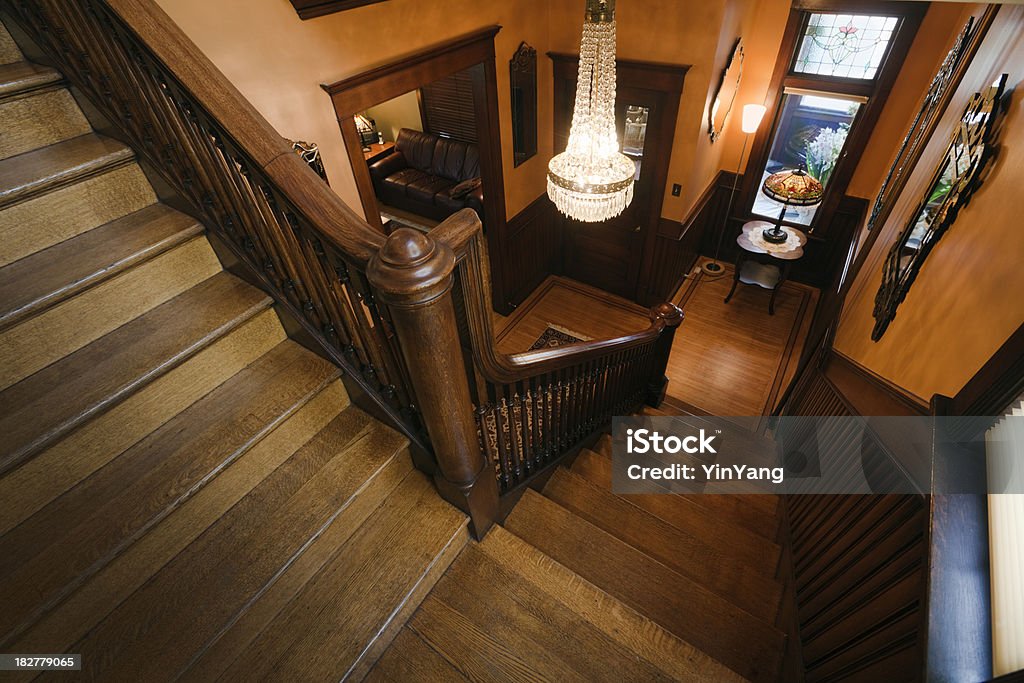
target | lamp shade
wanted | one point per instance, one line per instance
(793, 187)
(752, 115)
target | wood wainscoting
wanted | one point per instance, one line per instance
(860, 562)
(533, 250)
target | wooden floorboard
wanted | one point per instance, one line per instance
(727, 359)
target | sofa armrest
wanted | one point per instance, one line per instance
(392, 163)
(475, 201)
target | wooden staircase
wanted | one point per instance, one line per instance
(582, 584)
(184, 492)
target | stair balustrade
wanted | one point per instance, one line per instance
(406, 316)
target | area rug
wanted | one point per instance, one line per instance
(554, 335)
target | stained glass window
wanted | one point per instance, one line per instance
(844, 45)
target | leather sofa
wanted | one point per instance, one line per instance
(424, 173)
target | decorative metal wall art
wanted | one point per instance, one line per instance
(725, 95)
(310, 153)
(523, 83)
(910, 150)
(955, 179)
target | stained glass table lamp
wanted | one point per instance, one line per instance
(792, 188)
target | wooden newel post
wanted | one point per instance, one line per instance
(412, 274)
(672, 316)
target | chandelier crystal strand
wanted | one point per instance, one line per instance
(591, 181)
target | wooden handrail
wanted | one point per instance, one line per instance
(386, 309)
(250, 131)
(463, 232)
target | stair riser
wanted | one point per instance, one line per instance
(39, 120)
(64, 329)
(60, 215)
(100, 440)
(9, 52)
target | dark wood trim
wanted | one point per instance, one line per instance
(911, 14)
(310, 9)
(999, 382)
(407, 72)
(868, 393)
(356, 93)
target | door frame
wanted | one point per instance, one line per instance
(664, 79)
(357, 93)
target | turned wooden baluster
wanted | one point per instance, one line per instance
(412, 275)
(672, 316)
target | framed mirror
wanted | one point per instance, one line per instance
(957, 176)
(725, 94)
(523, 84)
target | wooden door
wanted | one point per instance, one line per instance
(610, 255)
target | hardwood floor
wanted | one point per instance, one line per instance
(727, 359)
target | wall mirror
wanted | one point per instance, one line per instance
(956, 177)
(725, 94)
(924, 123)
(523, 84)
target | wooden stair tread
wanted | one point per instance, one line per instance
(711, 564)
(49, 403)
(686, 512)
(745, 644)
(628, 627)
(55, 550)
(115, 583)
(32, 173)
(307, 505)
(410, 659)
(21, 77)
(348, 613)
(492, 624)
(756, 505)
(47, 277)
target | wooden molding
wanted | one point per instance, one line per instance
(310, 9)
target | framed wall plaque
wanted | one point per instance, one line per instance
(725, 95)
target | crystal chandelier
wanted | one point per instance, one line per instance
(591, 181)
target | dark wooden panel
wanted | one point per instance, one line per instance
(309, 9)
(533, 249)
(678, 244)
(860, 562)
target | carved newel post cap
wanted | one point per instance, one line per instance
(668, 312)
(411, 268)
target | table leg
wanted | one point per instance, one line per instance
(735, 277)
(784, 274)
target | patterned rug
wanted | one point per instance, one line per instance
(554, 335)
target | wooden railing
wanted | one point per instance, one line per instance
(407, 316)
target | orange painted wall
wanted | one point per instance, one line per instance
(967, 299)
(938, 29)
(700, 35)
(278, 62)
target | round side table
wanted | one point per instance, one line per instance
(762, 263)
